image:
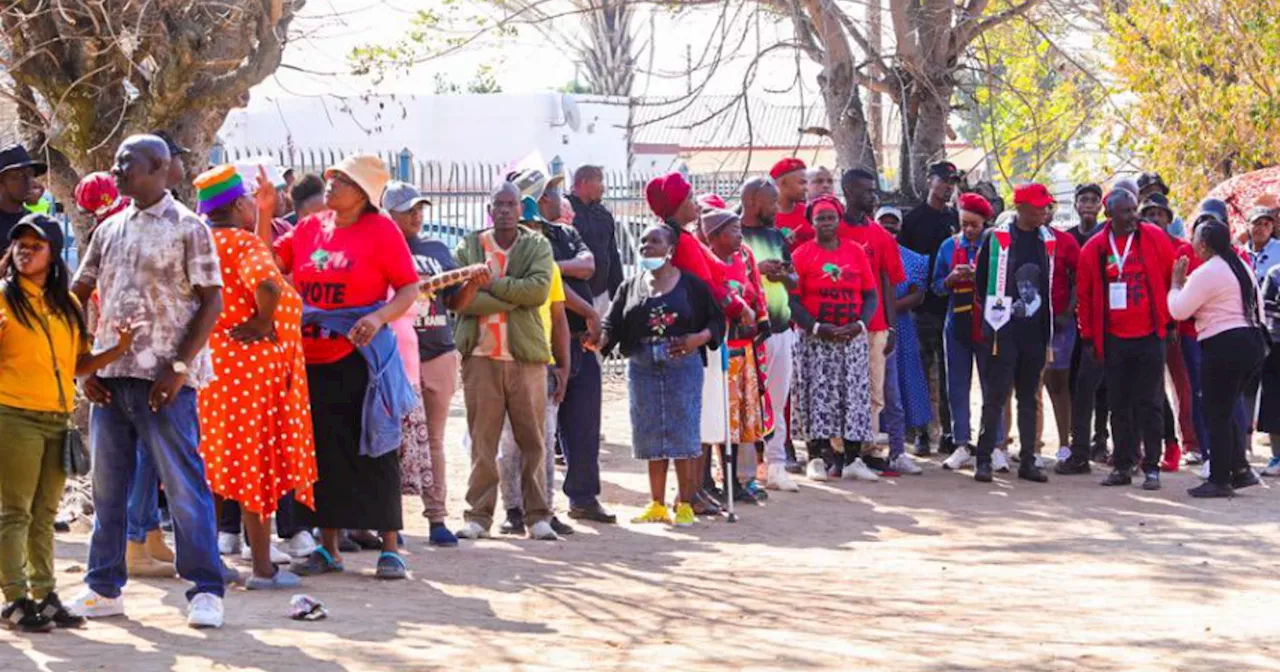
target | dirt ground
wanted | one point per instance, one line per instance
(934, 572)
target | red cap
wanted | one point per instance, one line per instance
(785, 167)
(666, 193)
(97, 194)
(1035, 194)
(712, 202)
(975, 203)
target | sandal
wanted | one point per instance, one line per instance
(319, 562)
(391, 566)
(703, 506)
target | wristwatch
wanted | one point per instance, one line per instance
(180, 368)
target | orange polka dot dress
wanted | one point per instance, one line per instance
(255, 418)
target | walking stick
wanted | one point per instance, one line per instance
(730, 448)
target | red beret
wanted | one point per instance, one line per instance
(824, 202)
(97, 194)
(975, 203)
(712, 202)
(666, 193)
(786, 166)
(1036, 195)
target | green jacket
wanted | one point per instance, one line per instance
(520, 293)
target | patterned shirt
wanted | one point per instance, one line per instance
(146, 265)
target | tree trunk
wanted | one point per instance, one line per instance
(928, 136)
(849, 131)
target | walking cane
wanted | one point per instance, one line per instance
(730, 448)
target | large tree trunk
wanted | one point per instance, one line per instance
(849, 131)
(928, 139)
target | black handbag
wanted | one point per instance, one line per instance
(75, 454)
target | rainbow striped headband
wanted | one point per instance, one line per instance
(217, 187)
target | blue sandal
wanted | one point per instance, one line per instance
(391, 566)
(319, 562)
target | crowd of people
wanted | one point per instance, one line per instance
(292, 354)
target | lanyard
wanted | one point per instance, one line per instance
(1111, 238)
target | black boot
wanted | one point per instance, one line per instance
(1028, 471)
(24, 616)
(982, 472)
(514, 523)
(51, 608)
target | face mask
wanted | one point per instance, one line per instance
(652, 264)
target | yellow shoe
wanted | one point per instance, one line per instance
(157, 548)
(684, 515)
(656, 512)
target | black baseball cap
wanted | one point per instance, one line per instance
(946, 170)
(174, 148)
(1089, 187)
(44, 226)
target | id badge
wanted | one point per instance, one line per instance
(1118, 295)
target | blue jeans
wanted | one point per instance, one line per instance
(1191, 357)
(144, 511)
(172, 438)
(962, 353)
(893, 420)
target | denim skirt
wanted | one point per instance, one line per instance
(666, 406)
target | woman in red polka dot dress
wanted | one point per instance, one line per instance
(255, 418)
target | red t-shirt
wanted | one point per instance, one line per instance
(831, 282)
(343, 268)
(1138, 318)
(744, 284)
(882, 255)
(1066, 259)
(1182, 248)
(795, 226)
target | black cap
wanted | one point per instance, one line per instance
(1159, 201)
(1215, 208)
(1152, 179)
(16, 156)
(946, 170)
(44, 226)
(1089, 187)
(174, 148)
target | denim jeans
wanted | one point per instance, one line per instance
(961, 356)
(579, 427)
(1191, 356)
(172, 438)
(893, 420)
(144, 510)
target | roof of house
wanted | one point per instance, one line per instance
(727, 122)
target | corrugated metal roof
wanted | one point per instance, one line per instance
(726, 122)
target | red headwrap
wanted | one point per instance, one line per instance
(712, 202)
(666, 193)
(824, 202)
(976, 204)
(97, 194)
(785, 167)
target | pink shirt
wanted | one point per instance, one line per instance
(1212, 297)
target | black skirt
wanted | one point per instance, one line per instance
(354, 492)
(1269, 405)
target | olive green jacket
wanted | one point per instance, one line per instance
(520, 293)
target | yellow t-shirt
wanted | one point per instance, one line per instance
(556, 295)
(26, 367)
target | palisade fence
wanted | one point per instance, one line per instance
(459, 194)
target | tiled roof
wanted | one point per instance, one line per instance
(722, 122)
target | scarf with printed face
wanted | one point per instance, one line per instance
(996, 310)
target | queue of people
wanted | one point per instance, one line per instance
(294, 355)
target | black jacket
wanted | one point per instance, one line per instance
(599, 232)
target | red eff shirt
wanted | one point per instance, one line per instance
(795, 226)
(1182, 248)
(883, 256)
(343, 268)
(1138, 318)
(831, 282)
(1066, 259)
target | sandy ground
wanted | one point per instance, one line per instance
(934, 572)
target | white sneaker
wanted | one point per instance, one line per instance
(205, 611)
(1000, 460)
(858, 470)
(1272, 468)
(278, 557)
(1040, 462)
(1204, 471)
(959, 459)
(301, 545)
(1064, 453)
(542, 531)
(473, 531)
(779, 479)
(903, 464)
(816, 470)
(228, 544)
(89, 604)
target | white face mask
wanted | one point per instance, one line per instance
(652, 264)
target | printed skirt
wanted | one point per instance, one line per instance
(666, 405)
(831, 392)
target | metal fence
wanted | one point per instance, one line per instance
(459, 194)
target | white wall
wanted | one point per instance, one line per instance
(492, 128)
